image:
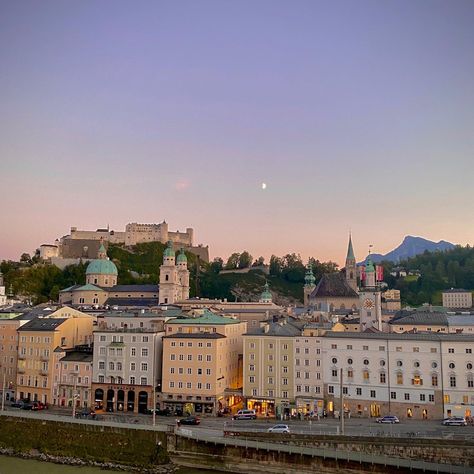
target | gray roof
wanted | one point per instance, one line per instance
(195, 335)
(460, 320)
(131, 314)
(42, 324)
(424, 336)
(282, 328)
(77, 356)
(148, 288)
(422, 318)
(457, 290)
(333, 285)
(131, 301)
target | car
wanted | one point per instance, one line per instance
(17, 404)
(190, 420)
(86, 414)
(455, 421)
(279, 429)
(27, 406)
(245, 415)
(388, 419)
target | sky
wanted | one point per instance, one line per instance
(358, 115)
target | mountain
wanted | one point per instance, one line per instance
(410, 247)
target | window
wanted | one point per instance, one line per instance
(422, 397)
(349, 361)
(255, 393)
(344, 390)
(366, 361)
(431, 398)
(372, 394)
(399, 378)
(452, 365)
(102, 339)
(133, 352)
(470, 381)
(330, 389)
(171, 384)
(208, 371)
(416, 380)
(285, 370)
(399, 363)
(111, 366)
(190, 371)
(407, 396)
(349, 347)
(350, 373)
(452, 381)
(451, 350)
(416, 364)
(102, 351)
(447, 399)
(172, 356)
(398, 349)
(119, 365)
(284, 381)
(469, 366)
(208, 358)
(252, 379)
(433, 350)
(468, 351)
(208, 386)
(101, 379)
(334, 360)
(434, 380)
(101, 365)
(334, 373)
(366, 375)
(270, 381)
(381, 348)
(382, 377)
(416, 349)
(333, 346)
(365, 348)
(393, 395)
(251, 367)
(144, 352)
(358, 391)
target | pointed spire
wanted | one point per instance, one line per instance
(102, 253)
(350, 250)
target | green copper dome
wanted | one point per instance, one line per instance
(369, 266)
(266, 293)
(101, 267)
(169, 252)
(309, 278)
(182, 257)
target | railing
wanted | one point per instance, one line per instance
(349, 456)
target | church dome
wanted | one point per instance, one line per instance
(169, 252)
(182, 257)
(101, 267)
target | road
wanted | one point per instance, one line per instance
(353, 426)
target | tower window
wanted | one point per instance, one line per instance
(167, 277)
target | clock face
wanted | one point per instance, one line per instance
(368, 304)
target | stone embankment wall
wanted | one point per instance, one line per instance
(88, 442)
(442, 451)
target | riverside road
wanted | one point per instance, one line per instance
(353, 426)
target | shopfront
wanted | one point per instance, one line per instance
(262, 407)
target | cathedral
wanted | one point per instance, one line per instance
(102, 288)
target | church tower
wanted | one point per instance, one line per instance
(169, 291)
(3, 296)
(370, 295)
(183, 275)
(309, 284)
(351, 267)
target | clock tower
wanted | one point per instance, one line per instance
(370, 296)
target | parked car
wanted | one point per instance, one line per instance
(190, 420)
(455, 421)
(245, 415)
(27, 406)
(279, 429)
(86, 414)
(388, 419)
(17, 404)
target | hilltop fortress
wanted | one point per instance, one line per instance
(84, 244)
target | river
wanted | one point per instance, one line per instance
(12, 465)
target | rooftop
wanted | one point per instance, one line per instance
(457, 290)
(42, 324)
(424, 336)
(333, 285)
(195, 335)
(77, 356)
(207, 318)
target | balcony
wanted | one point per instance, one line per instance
(21, 370)
(44, 358)
(21, 356)
(44, 372)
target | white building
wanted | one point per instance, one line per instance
(3, 296)
(423, 376)
(127, 361)
(457, 298)
(174, 276)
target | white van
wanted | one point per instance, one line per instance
(245, 415)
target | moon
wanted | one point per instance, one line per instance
(264, 185)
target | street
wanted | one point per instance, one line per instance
(353, 426)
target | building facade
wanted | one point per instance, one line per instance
(39, 342)
(457, 298)
(174, 276)
(201, 368)
(419, 376)
(127, 361)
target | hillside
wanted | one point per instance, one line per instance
(411, 247)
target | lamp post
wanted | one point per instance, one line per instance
(74, 396)
(341, 413)
(3, 389)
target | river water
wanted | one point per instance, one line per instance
(11, 465)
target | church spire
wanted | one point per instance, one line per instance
(350, 250)
(351, 266)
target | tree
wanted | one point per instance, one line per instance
(259, 262)
(275, 265)
(25, 258)
(245, 260)
(217, 265)
(233, 261)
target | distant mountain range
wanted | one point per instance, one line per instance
(410, 247)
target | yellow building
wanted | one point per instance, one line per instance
(269, 366)
(39, 340)
(200, 361)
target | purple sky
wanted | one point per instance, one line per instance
(357, 114)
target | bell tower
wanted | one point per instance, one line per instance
(351, 267)
(309, 284)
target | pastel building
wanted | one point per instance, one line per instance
(201, 368)
(457, 298)
(127, 361)
(39, 342)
